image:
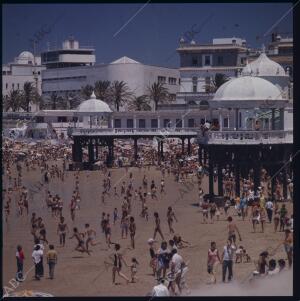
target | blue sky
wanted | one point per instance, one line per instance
(151, 37)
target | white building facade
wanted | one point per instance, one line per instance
(200, 63)
(137, 76)
(25, 68)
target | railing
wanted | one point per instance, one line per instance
(246, 137)
(109, 131)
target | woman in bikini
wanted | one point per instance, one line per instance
(170, 216)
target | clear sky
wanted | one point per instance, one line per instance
(150, 37)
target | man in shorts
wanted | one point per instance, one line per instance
(231, 230)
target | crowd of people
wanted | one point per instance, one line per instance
(166, 262)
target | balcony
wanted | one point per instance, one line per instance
(246, 137)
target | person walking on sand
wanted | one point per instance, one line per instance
(62, 230)
(51, 260)
(227, 260)
(132, 229)
(232, 228)
(117, 264)
(157, 226)
(20, 261)
(213, 259)
(170, 217)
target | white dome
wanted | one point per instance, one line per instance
(26, 55)
(263, 66)
(248, 88)
(94, 105)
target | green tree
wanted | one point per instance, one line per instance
(158, 93)
(140, 103)
(120, 93)
(29, 95)
(56, 102)
(102, 89)
(13, 101)
(86, 91)
(216, 83)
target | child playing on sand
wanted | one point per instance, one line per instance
(133, 269)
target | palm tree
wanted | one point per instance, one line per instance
(102, 90)
(120, 93)
(140, 103)
(158, 93)
(29, 95)
(218, 81)
(56, 101)
(13, 101)
(86, 91)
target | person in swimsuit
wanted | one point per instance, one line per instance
(205, 211)
(133, 269)
(231, 230)
(62, 230)
(79, 236)
(117, 264)
(170, 216)
(91, 234)
(263, 216)
(157, 226)
(255, 216)
(288, 246)
(213, 259)
(132, 229)
(153, 261)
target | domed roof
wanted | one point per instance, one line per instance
(94, 105)
(248, 88)
(26, 55)
(263, 66)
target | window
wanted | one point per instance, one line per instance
(61, 119)
(39, 119)
(179, 123)
(195, 80)
(13, 86)
(191, 122)
(130, 123)
(207, 61)
(18, 85)
(172, 81)
(194, 61)
(243, 60)
(39, 72)
(161, 79)
(167, 123)
(220, 60)
(142, 123)
(6, 86)
(240, 119)
(75, 119)
(179, 82)
(226, 122)
(154, 123)
(3, 72)
(117, 123)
